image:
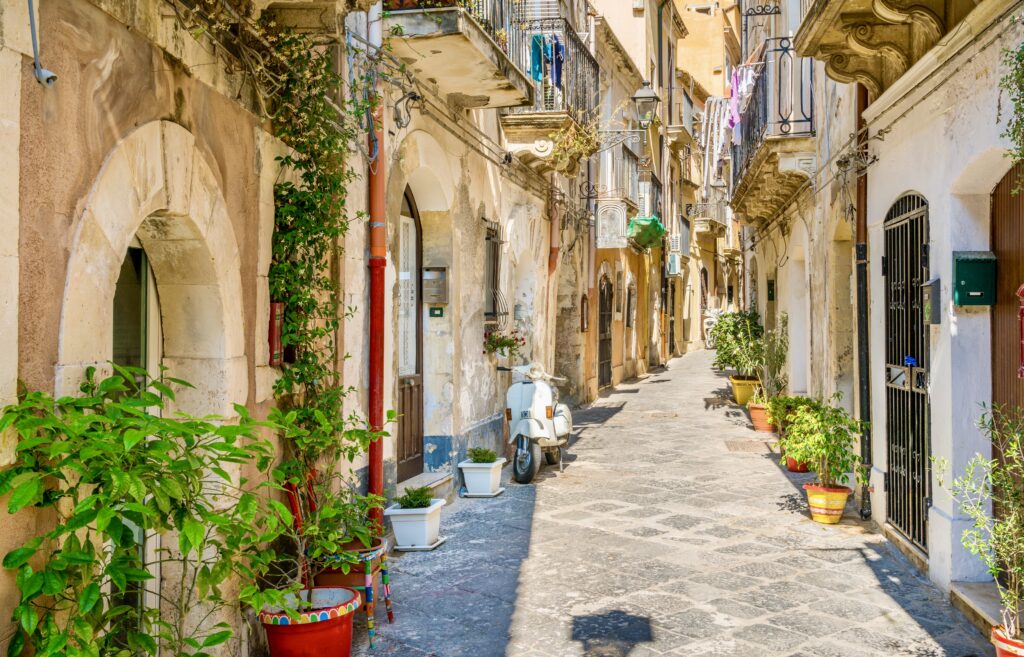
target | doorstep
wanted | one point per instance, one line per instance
(440, 483)
(979, 601)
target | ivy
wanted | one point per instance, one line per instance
(1012, 83)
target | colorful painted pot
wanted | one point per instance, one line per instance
(1006, 647)
(826, 504)
(324, 631)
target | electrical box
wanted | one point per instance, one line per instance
(435, 285)
(974, 278)
(931, 302)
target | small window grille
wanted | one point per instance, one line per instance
(495, 308)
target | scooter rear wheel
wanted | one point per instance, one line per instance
(526, 463)
(553, 456)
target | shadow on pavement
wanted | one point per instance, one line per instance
(611, 634)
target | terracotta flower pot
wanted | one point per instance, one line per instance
(826, 503)
(356, 576)
(743, 388)
(1006, 647)
(759, 417)
(324, 631)
(793, 466)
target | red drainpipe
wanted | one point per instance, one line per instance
(377, 263)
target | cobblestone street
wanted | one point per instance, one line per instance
(672, 531)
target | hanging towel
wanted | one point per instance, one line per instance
(537, 57)
(559, 60)
(734, 99)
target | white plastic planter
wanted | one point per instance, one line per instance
(416, 529)
(482, 479)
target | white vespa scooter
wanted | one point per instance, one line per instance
(537, 423)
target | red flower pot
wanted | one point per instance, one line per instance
(325, 631)
(1006, 647)
(793, 466)
(759, 417)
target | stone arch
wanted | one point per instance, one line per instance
(156, 185)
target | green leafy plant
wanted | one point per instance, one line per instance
(748, 351)
(510, 343)
(727, 333)
(574, 142)
(781, 407)
(989, 492)
(823, 436)
(775, 348)
(108, 468)
(416, 498)
(1012, 83)
(481, 455)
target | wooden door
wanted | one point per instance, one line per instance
(409, 443)
(1008, 245)
(604, 337)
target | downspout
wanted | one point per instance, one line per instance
(377, 262)
(863, 373)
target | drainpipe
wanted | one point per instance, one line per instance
(377, 262)
(863, 374)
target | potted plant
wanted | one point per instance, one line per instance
(748, 359)
(989, 492)
(416, 520)
(779, 410)
(725, 333)
(771, 377)
(505, 345)
(823, 436)
(108, 467)
(482, 473)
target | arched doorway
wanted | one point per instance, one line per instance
(906, 369)
(409, 442)
(604, 336)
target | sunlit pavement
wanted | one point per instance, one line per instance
(672, 531)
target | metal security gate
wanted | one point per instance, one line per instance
(604, 335)
(905, 268)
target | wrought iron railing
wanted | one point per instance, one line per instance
(713, 210)
(780, 105)
(498, 18)
(563, 72)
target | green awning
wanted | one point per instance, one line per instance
(645, 232)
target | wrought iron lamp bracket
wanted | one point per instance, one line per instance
(611, 138)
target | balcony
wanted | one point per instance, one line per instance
(776, 153)
(874, 42)
(709, 218)
(618, 196)
(469, 49)
(554, 132)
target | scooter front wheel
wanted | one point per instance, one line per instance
(527, 460)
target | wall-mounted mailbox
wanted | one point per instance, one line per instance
(931, 298)
(435, 285)
(974, 278)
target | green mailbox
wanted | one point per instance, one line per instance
(974, 278)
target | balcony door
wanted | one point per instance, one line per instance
(409, 444)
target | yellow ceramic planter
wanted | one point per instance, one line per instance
(743, 389)
(826, 504)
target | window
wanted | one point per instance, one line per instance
(728, 293)
(618, 293)
(584, 314)
(630, 305)
(495, 309)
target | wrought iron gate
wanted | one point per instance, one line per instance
(905, 268)
(604, 336)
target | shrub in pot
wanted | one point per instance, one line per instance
(748, 359)
(823, 436)
(416, 520)
(727, 330)
(771, 376)
(482, 472)
(779, 410)
(107, 467)
(989, 492)
(758, 409)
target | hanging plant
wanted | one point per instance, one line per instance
(508, 344)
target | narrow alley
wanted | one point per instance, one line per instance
(671, 531)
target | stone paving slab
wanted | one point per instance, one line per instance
(669, 533)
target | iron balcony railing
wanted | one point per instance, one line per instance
(498, 18)
(563, 72)
(713, 210)
(780, 105)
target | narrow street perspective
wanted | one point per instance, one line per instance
(671, 531)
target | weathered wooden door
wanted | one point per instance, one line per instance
(604, 335)
(906, 369)
(409, 444)
(1008, 245)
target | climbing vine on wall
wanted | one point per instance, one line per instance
(1012, 83)
(319, 117)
